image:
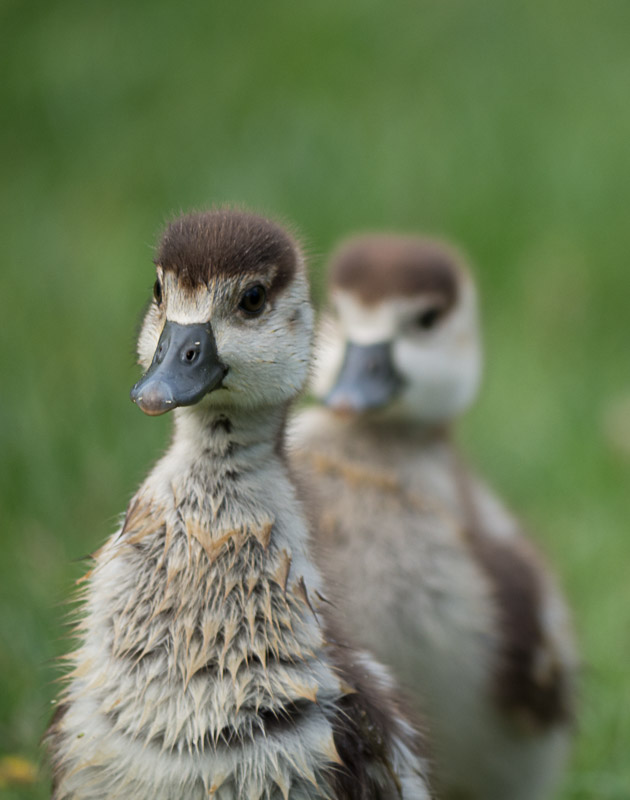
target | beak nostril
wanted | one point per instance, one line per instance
(185, 367)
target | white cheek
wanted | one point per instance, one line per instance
(443, 369)
(268, 359)
(441, 380)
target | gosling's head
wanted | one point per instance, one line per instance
(230, 322)
(403, 338)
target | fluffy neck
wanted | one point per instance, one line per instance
(225, 471)
(203, 630)
(210, 436)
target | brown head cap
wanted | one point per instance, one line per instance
(224, 243)
(375, 267)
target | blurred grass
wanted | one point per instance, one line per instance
(504, 126)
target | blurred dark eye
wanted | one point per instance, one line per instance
(253, 300)
(157, 292)
(427, 319)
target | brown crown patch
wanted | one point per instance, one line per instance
(375, 267)
(226, 243)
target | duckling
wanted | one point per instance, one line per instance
(434, 575)
(207, 664)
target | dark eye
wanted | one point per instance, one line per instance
(253, 300)
(157, 292)
(427, 319)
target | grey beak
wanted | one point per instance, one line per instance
(367, 379)
(185, 367)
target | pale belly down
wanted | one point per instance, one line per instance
(416, 599)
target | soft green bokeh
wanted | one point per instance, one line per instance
(502, 125)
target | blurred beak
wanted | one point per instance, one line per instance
(185, 367)
(367, 379)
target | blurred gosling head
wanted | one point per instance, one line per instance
(403, 339)
(230, 323)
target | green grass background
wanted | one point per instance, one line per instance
(502, 125)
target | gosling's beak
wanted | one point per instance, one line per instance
(185, 367)
(367, 379)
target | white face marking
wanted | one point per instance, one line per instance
(185, 308)
(367, 325)
(441, 365)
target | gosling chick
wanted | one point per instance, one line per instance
(434, 575)
(206, 665)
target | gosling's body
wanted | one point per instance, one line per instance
(205, 667)
(417, 592)
(433, 573)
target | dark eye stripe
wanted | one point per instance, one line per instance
(157, 292)
(429, 318)
(253, 300)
